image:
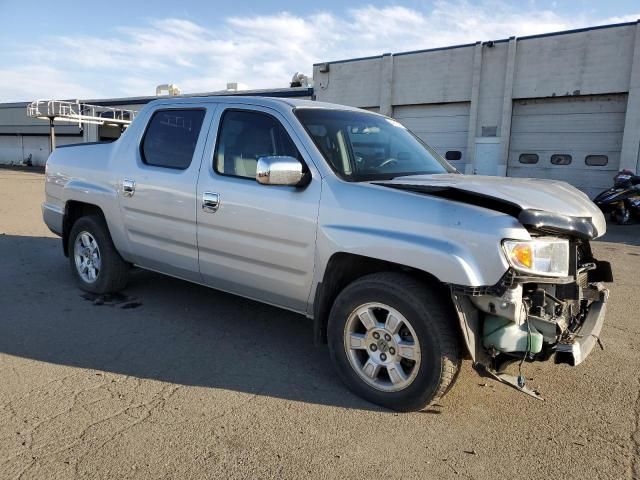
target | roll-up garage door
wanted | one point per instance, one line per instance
(575, 139)
(443, 126)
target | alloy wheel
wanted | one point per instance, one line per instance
(382, 347)
(86, 254)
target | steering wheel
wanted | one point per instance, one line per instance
(388, 161)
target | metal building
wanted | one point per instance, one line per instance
(26, 140)
(563, 105)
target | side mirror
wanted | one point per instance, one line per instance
(279, 171)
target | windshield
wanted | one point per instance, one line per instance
(362, 146)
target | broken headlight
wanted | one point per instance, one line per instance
(541, 256)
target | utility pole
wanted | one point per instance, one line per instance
(52, 136)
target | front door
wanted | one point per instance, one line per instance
(158, 191)
(259, 241)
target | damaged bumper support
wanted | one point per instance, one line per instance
(527, 322)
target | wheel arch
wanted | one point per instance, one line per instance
(73, 211)
(343, 268)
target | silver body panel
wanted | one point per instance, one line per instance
(260, 242)
(159, 219)
(273, 243)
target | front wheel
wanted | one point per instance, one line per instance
(394, 341)
(95, 263)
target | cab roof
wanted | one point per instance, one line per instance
(273, 102)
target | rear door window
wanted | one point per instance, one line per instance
(171, 138)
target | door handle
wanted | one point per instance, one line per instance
(128, 187)
(210, 202)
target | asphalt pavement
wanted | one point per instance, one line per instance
(174, 380)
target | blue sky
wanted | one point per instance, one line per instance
(65, 49)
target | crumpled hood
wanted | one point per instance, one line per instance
(517, 194)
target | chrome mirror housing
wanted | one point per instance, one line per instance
(279, 171)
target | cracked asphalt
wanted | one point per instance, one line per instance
(173, 380)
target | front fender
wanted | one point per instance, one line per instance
(455, 242)
(447, 260)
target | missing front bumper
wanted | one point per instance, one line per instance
(585, 339)
(572, 350)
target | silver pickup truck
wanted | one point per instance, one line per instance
(405, 266)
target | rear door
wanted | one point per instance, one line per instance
(157, 190)
(260, 242)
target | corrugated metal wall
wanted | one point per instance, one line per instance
(443, 126)
(579, 128)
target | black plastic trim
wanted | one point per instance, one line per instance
(497, 290)
(549, 222)
(459, 195)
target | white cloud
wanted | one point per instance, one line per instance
(33, 82)
(261, 51)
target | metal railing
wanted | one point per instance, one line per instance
(77, 112)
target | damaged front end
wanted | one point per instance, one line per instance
(536, 317)
(542, 308)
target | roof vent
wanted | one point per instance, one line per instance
(301, 80)
(170, 89)
(235, 86)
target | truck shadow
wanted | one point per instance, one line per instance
(160, 328)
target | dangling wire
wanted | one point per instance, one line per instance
(521, 379)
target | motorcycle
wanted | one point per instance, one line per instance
(622, 201)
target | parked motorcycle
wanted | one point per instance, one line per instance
(622, 201)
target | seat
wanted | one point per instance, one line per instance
(241, 158)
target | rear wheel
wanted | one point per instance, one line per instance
(394, 341)
(95, 263)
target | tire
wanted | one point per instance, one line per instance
(430, 321)
(111, 271)
(622, 215)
